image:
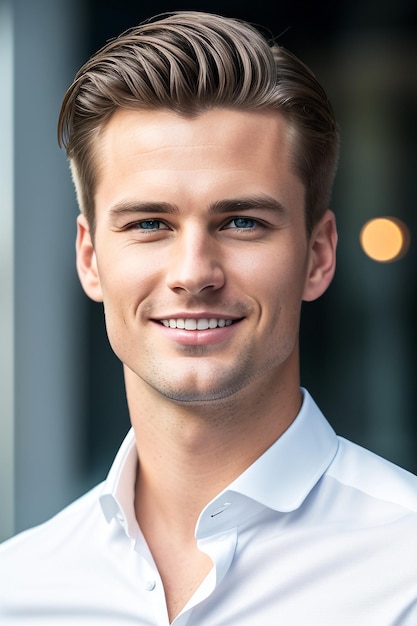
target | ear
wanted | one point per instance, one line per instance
(86, 261)
(322, 257)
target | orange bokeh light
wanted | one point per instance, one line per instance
(385, 239)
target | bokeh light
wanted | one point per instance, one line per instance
(385, 239)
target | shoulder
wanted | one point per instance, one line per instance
(364, 471)
(56, 555)
(53, 534)
(63, 565)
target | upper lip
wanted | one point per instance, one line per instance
(197, 316)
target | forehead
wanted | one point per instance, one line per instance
(150, 149)
(153, 130)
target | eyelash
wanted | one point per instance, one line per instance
(245, 219)
(137, 225)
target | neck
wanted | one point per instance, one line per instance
(188, 454)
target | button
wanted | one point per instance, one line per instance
(121, 520)
(150, 585)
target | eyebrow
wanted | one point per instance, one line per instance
(248, 203)
(227, 205)
(126, 208)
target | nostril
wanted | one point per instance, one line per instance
(195, 264)
(195, 283)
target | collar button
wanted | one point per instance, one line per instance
(150, 585)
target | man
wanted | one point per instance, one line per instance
(203, 160)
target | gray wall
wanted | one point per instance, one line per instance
(42, 373)
(6, 273)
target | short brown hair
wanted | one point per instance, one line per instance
(189, 62)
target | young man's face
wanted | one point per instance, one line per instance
(200, 253)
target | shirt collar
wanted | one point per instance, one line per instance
(117, 499)
(287, 471)
(280, 479)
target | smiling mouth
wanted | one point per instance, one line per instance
(197, 324)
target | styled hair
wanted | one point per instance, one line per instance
(190, 62)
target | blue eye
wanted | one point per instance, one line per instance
(243, 222)
(149, 224)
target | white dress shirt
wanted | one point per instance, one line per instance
(317, 532)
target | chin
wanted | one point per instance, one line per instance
(197, 397)
(198, 389)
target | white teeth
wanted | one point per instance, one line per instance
(196, 324)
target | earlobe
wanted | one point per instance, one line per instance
(322, 258)
(86, 261)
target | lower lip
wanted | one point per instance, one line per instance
(198, 337)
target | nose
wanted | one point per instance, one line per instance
(195, 263)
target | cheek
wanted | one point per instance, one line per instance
(277, 276)
(279, 294)
(125, 276)
(121, 292)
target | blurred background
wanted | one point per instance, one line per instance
(62, 407)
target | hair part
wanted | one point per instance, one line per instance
(189, 62)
